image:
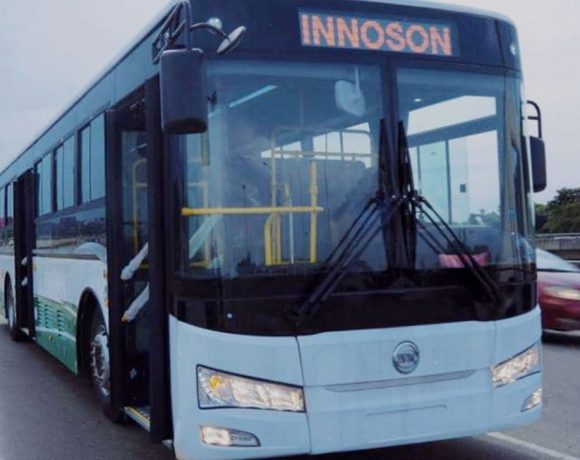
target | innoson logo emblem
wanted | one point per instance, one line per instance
(406, 358)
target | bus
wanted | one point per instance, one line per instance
(285, 227)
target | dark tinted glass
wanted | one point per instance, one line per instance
(59, 168)
(9, 204)
(2, 207)
(85, 140)
(65, 175)
(98, 158)
(44, 171)
(68, 173)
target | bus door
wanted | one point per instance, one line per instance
(127, 259)
(23, 246)
(136, 269)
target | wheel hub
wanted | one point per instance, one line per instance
(100, 362)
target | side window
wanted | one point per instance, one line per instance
(65, 175)
(9, 204)
(92, 140)
(2, 207)
(85, 141)
(98, 158)
(44, 175)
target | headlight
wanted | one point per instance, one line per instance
(517, 368)
(562, 292)
(218, 389)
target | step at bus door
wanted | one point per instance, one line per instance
(23, 250)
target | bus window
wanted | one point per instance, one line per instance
(98, 158)
(453, 143)
(65, 175)
(85, 144)
(9, 204)
(2, 207)
(92, 141)
(44, 175)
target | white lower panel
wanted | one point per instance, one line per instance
(277, 359)
(355, 399)
(419, 413)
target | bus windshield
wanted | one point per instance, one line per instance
(292, 156)
(467, 152)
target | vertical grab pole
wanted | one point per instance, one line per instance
(276, 231)
(314, 214)
(268, 241)
(288, 203)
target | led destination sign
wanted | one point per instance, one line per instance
(380, 34)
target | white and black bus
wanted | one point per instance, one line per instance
(279, 227)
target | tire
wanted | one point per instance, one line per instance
(15, 334)
(99, 365)
(98, 358)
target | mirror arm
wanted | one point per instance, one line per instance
(537, 117)
(171, 29)
(205, 25)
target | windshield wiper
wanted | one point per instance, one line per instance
(461, 251)
(421, 203)
(375, 216)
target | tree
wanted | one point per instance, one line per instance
(562, 214)
(541, 218)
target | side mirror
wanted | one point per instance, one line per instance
(539, 176)
(183, 94)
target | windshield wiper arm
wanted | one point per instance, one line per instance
(362, 232)
(453, 240)
(456, 244)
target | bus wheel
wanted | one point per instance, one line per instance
(99, 362)
(15, 334)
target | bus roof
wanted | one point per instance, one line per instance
(443, 6)
(168, 6)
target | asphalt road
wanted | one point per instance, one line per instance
(47, 413)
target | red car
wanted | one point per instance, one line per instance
(559, 292)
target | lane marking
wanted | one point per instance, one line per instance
(532, 447)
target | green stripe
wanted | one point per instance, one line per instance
(56, 329)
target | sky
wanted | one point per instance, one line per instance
(75, 39)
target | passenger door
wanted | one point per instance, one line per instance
(126, 236)
(136, 218)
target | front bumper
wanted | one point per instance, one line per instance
(348, 417)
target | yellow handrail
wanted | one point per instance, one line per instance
(268, 241)
(192, 212)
